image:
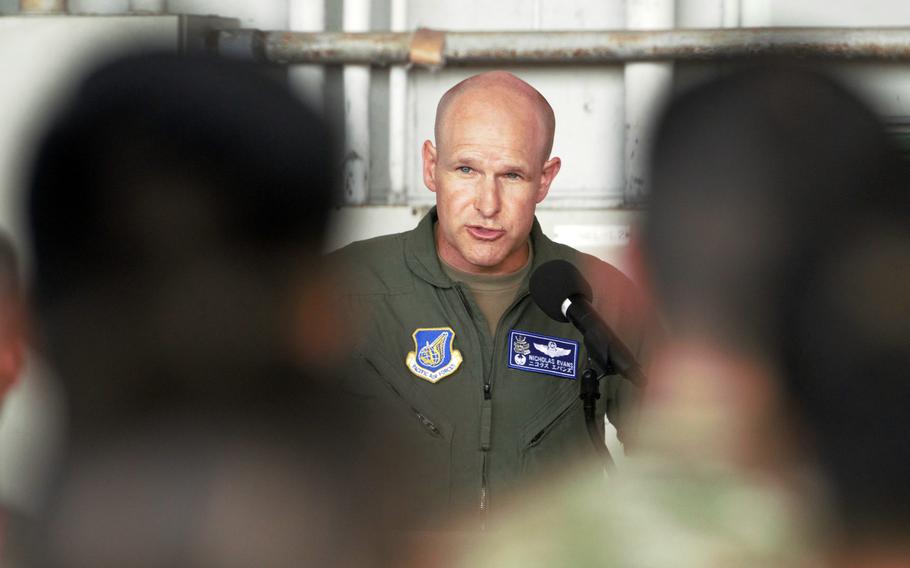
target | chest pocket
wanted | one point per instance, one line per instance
(408, 425)
(555, 436)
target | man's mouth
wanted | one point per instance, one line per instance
(484, 234)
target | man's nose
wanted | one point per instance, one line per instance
(486, 199)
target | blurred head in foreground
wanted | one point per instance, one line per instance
(177, 209)
(846, 339)
(778, 244)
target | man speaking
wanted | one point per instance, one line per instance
(480, 384)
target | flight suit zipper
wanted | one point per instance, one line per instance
(486, 415)
(486, 409)
(486, 426)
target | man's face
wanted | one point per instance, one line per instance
(488, 173)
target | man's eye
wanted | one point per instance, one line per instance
(513, 175)
(464, 169)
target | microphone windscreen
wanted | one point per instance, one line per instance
(555, 281)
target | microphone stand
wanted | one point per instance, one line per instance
(607, 355)
(590, 392)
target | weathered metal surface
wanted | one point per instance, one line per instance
(546, 47)
(426, 47)
(42, 6)
(243, 44)
(328, 48)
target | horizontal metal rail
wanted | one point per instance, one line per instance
(551, 47)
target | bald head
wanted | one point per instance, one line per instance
(498, 89)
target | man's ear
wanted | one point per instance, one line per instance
(547, 175)
(429, 165)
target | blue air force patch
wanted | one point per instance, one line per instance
(433, 357)
(543, 354)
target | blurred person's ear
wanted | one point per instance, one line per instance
(319, 333)
(12, 347)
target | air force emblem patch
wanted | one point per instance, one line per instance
(543, 354)
(433, 357)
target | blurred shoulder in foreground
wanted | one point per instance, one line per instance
(755, 174)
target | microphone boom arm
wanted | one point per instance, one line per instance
(604, 348)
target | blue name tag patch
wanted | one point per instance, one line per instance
(543, 354)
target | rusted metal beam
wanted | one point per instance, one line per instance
(42, 6)
(550, 47)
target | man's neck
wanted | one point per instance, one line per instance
(493, 293)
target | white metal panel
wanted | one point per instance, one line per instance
(152, 6)
(574, 15)
(756, 13)
(397, 139)
(357, 111)
(711, 13)
(260, 14)
(98, 6)
(731, 13)
(699, 13)
(867, 13)
(647, 85)
(473, 15)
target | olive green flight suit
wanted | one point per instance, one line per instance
(486, 429)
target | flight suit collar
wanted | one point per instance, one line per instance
(420, 252)
(423, 261)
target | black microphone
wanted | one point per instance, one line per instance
(559, 289)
